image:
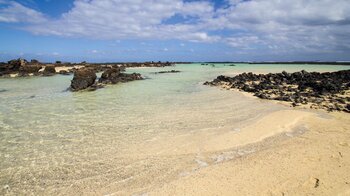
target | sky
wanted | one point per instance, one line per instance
(175, 30)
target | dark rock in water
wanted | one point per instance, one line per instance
(12, 66)
(330, 91)
(172, 71)
(28, 69)
(83, 79)
(2, 90)
(110, 76)
(113, 76)
(130, 77)
(206, 83)
(49, 70)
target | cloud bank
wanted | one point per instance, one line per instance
(269, 25)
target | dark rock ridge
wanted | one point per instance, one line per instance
(114, 75)
(22, 67)
(171, 71)
(329, 90)
(85, 78)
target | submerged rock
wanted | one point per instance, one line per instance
(171, 71)
(83, 79)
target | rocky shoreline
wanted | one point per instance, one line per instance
(24, 68)
(329, 90)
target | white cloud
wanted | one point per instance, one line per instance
(288, 25)
(15, 12)
(304, 25)
(244, 41)
(118, 19)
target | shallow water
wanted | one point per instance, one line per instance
(123, 138)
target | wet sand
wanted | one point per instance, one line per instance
(315, 162)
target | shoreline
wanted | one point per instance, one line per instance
(198, 160)
(296, 163)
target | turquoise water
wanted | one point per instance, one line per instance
(126, 137)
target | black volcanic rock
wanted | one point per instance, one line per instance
(171, 71)
(329, 90)
(114, 75)
(49, 70)
(11, 66)
(110, 76)
(83, 79)
(27, 69)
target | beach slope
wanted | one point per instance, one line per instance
(316, 162)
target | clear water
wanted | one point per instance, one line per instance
(121, 139)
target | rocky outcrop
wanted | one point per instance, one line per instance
(12, 66)
(21, 67)
(114, 75)
(110, 76)
(25, 70)
(49, 70)
(330, 90)
(83, 79)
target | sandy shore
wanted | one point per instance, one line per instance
(316, 162)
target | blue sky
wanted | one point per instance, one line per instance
(175, 30)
